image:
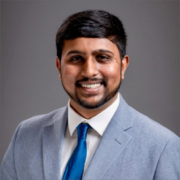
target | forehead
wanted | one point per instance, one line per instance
(88, 45)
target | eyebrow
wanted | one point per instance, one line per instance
(75, 52)
(102, 51)
(94, 52)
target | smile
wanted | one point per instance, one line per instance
(90, 86)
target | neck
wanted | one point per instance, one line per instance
(89, 113)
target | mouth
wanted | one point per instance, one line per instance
(91, 86)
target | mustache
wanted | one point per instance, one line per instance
(96, 80)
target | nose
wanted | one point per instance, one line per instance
(90, 68)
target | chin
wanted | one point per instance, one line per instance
(91, 104)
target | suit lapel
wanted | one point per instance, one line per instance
(114, 140)
(53, 135)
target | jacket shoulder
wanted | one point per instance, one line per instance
(39, 121)
(151, 129)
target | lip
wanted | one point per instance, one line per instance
(91, 91)
(89, 82)
(91, 86)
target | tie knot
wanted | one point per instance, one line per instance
(82, 130)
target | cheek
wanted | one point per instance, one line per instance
(69, 75)
(112, 74)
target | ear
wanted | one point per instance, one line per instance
(58, 65)
(124, 65)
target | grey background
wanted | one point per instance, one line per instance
(29, 79)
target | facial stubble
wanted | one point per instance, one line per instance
(107, 96)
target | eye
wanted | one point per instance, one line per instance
(76, 59)
(103, 58)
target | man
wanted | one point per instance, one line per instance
(97, 136)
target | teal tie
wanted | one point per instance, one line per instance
(75, 165)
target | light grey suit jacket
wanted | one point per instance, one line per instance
(133, 147)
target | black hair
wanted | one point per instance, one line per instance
(92, 24)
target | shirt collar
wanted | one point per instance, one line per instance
(99, 122)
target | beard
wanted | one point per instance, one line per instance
(107, 96)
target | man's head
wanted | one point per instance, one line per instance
(91, 58)
(92, 24)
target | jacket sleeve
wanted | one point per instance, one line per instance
(8, 169)
(168, 167)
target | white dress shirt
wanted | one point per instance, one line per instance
(98, 123)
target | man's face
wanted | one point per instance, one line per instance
(90, 70)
